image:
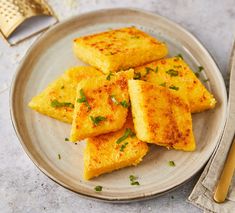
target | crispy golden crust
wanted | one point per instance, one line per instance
(161, 116)
(62, 90)
(103, 97)
(186, 83)
(109, 51)
(103, 154)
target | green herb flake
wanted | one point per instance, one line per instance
(57, 104)
(172, 72)
(96, 120)
(126, 134)
(148, 69)
(197, 74)
(66, 139)
(123, 147)
(98, 188)
(114, 100)
(124, 103)
(200, 68)
(83, 99)
(156, 70)
(135, 183)
(163, 84)
(109, 76)
(174, 87)
(59, 156)
(171, 163)
(133, 180)
(137, 75)
(205, 80)
(180, 56)
(62, 87)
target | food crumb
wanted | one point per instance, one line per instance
(59, 156)
(171, 163)
(98, 188)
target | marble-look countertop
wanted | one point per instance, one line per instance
(23, 188)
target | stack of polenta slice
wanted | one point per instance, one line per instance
(130, 96)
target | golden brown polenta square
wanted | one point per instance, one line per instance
(112, 151)
(175, 74)
(101, 105)
(57, 100)
(161, 116)
(119, 49)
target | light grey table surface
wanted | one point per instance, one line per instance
(23, 188)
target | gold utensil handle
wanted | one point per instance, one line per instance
(226, 176)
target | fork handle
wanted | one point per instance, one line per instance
(226, 176)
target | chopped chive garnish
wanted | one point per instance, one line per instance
(57, 104)
(135, 183)
(137, 76)
(96, 120)
(171, 163)
(123, 146)
(156, 70)
(126, 134)
(163, 84)
(200, 68)
(172, 72)
(109, 76)
(197, 74)
(66, 139)
(205, 80)
(180, 56)
(59, 156)
(124, 104)
(174, 87)
(83, 99)
(114, 100)
(98, 188)
(148, 69)
(133, 180)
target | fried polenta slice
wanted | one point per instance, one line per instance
(106, 153)
(101, 106)
(161, 116)
(57, 100)
(119, 49)
(175, 74)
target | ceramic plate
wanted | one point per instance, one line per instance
(43, 138)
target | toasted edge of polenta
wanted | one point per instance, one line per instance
(57, 99)
(83, 124)
(104, 148)
(161, 72)
(99, 50)
(148, 124)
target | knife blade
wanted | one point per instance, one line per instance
(224, 182)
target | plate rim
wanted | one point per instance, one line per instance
(83, 15)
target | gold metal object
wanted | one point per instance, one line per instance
(222, 188)
(226, 176)
(14, 12)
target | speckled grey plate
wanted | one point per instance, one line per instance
(43, 138)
